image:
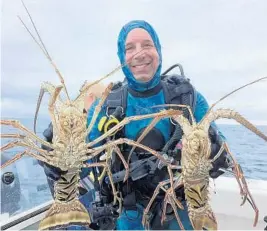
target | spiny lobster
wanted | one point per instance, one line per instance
(196, 165)
(69, 150)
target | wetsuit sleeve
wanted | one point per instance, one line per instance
(216, 137)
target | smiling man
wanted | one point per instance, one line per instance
(143, 88)
(142, 66)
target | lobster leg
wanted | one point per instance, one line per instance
(171, 181)
(18, 125)
(177, 202)
(105, 156)
(164, 208)
(51, 108)
(98, 107)
(18, 136)
(218, 154)
(237, 168)
(170, 197)
(115, 193)
(230, 114)
(126, 166)
(155, 121)
(244, 191)
(27, 152)
(108, 171)
(182, 106)
(145, 132)
(99, 149)
(176, 213)
(156, 192)
(162, 114)
(51, 89)
(105, 165)
(22, 144)
(170, 193)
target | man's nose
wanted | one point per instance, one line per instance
(140, 55)
(140, 51)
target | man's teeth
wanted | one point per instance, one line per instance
(141, 65)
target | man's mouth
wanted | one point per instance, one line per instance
(141, 65)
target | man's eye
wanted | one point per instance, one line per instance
(148, 45)
(128, 48)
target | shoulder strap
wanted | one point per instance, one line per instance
(178, 90)
(117, 98)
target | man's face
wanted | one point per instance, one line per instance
(143, 65)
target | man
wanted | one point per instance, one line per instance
(144, 87)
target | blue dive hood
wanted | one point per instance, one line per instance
(132, 82)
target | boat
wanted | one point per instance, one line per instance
(225, 201)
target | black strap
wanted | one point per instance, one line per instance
(178, 90)
(117, 98)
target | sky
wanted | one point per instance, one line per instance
(221, 45)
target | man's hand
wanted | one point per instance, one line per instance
(93, 93)
(51, 172)
(221, 161)
(88, 101)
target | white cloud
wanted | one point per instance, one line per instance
(220, 44)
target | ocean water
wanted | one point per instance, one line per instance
(249, 150)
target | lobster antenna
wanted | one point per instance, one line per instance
(43, 48)
(85, 88)
(213, 105)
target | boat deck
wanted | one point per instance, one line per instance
(225, 203)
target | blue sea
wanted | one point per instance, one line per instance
(249, 150)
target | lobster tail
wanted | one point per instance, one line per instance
(61, 215)
(206, 221)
